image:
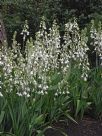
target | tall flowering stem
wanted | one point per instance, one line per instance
(76, 44)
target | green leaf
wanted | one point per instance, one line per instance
(6, 134)
(69, 117)
(39, 120)
(2, 116)
(78, 107)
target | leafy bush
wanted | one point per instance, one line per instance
(96, 92)
(48, 80)
(15, 13)
(31, 87)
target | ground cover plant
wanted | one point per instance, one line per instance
(50, 79)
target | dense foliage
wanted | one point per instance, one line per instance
(49, 81)
(16, 12)
(52, 68)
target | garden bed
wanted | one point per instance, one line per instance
(87, 127)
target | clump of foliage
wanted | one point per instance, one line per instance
(15, 13)
(47, 81)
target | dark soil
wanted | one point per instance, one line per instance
(86, 127)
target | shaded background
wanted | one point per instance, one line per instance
(15, 12)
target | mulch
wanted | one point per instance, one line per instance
(86, 127)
